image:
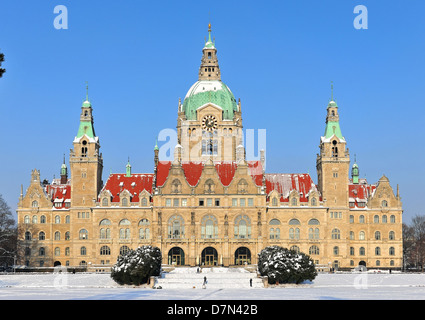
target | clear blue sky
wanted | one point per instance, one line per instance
(279, 57)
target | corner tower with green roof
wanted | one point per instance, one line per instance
(333, 161)
(209, 122)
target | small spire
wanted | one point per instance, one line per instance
(209, 32)
(87, 91)
(128, 168)
(156, 145)
(332, 91)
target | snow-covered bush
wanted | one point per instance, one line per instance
(136, 266)
(285, 266)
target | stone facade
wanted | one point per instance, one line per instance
(210, 205)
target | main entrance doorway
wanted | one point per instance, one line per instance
(176, 256)
(209, 257)
(242, 256)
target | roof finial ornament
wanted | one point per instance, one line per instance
(332, 91)
(87, 91)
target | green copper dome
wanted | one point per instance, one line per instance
(209, 91)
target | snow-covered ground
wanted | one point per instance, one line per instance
(91, 286)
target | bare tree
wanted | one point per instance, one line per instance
(8, 234)
(414, 242)
(2, 70)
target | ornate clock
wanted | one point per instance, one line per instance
(209, 123)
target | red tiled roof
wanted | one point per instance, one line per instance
(135, 184)
(255, 169)
(360, 192)
(226, 171)
(192, 172)
(284, 183)
(60, 194)
(162, 172)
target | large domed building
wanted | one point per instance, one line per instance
(209, 205)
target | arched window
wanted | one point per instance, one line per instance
(57, 251)
(294, 233)
(361, 219)
(34, 204)
(209, 186)
(67, 235)
(105, 251)
(43, 219)
(124, 250)
(294, 222)
(41, 235)
(83, 251)
(41, 251)
(209, 227)
(57, 235)
(144, 232)
(391, 235)
(57, 219)
(105, 222)
(377, 235)
(336, 234)
(336, 250)
(104, 202)
(294, 201)
(27, 235)
(391, 251)
(176, 227)
(27, 219)
(351, 235)
(242, 227)
(313, 234)
(313, 201)
(376, 219)
(392, 219)
(295, 249)
(274, 202)
(384, 219)
(384, 203)
(144, 202)
(124, 222)
(362, 251)
(313, 250)
(125, 202)
(105, 232)
(83, 234)
(34, 219)
(361, 235)
(377, 251)
(313, 222)
(274, 231)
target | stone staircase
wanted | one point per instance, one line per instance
(217, 278)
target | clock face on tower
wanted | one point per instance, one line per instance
(209, 123)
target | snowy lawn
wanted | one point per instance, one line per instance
(90, 286)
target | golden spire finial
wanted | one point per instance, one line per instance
(209, 27)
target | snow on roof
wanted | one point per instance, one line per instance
(284, 183)
(134, 184)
